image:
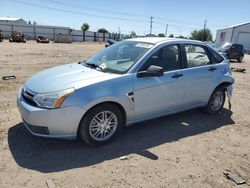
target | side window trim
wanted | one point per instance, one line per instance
(183, 56)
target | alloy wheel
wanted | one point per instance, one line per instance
(103, 125)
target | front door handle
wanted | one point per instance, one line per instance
(177, 76)
(212, 69)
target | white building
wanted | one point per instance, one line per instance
(234, 34)
(16, 21)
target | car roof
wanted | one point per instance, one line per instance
(158, 40)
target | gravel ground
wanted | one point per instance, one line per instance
(188, 149)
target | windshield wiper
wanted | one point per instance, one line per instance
(92, 65)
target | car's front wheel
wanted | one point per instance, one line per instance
(101, 124)
(216, 101)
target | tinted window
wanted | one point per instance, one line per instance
(196, 56)
(167, 57)
(233, 46)
(239, 47)
(217, 57)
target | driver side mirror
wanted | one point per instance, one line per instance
(151, 71)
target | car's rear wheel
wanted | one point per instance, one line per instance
(240, 59)
(216, 101)
(101, 124)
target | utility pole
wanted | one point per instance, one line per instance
(166, 32)
(119, 33)
(151, 23)
(205, 23)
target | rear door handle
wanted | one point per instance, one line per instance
(177, 76)
(212, 69)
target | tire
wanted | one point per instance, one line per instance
(95, 118)
(213, 107)
(240, 59)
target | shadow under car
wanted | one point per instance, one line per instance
(49, 155)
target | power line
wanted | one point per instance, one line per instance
(178, 27)
(166, 32)
(97, 9)
(75, 12)
(104, 10)
(203, 37)
(151, 24)
(123, 13)
(177, 21)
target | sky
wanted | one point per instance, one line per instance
(182, 17)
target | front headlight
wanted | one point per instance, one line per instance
(52, 100)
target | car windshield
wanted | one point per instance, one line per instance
(119, 57)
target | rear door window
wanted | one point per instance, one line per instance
(196, 56)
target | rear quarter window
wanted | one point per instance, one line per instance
(217, 57)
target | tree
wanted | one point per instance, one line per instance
(171, 36)
(84, 28)
(132, 34)
(102, 30)
(34, 23)
(29, 22)
(193, 35)
(161, 35)
(201, 35)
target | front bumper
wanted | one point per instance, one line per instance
(52, 123)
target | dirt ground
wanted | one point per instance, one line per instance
(189, 149)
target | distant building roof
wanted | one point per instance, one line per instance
(9, 19)
(237, 25)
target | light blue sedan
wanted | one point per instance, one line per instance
(128, 82)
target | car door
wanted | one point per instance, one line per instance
(198, 73)
(155, 96)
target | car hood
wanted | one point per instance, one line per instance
(64, 77)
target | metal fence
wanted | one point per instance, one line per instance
(31, 32)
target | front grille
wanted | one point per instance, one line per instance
(28, 97)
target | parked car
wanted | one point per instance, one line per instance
(131, 81)
(41, 39)
(232, 51)
(17, 36)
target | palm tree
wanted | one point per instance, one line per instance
(85, 27)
